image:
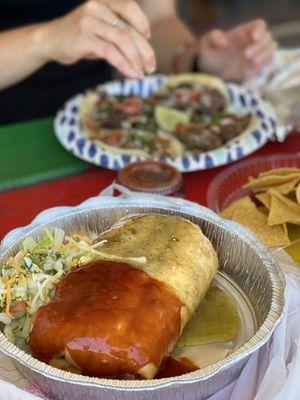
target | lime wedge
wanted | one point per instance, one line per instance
(168, 118)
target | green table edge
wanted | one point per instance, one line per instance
(30, 153)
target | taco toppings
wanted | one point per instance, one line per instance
(189, 113)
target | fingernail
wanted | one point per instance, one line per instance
(150, 68)
(132, 73)
(138, 70)
(148, 34)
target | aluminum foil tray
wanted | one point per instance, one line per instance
(243, 258)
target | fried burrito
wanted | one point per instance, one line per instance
(120, 315)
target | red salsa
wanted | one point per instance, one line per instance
(152, 177)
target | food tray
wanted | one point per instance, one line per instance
(227, 185)
(243, 258)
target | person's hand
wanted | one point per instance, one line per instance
(114, 30)
(238, 53)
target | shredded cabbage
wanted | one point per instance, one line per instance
(28, 280)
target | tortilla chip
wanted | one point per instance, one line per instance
(298, 194)
(242, 202)
(263, 209)
(280, 171)
(283, 209)
(245, 212)
(269, 181)
(285, 228)
(287, 187)
(265, 199)
(257, 222)
(284, 188)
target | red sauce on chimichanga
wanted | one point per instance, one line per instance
(172, 367)
(112, 318)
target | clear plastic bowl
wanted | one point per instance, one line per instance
(226, 186)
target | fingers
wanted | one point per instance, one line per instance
(252, 49)
(265, 55)
(258, 43)
(146, 51)
(101, 19)
(132, 13)
(102, 49)
(256, 29)
(122, 40)
(260, 59)
(217, 39)
(101, 11)
(248, 33)
(261, 52)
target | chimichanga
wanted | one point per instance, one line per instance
(118, 319)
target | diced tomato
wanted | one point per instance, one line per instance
(194, 95)
(130, 105)
(18, 307)
(161, 143)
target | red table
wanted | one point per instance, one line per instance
(19, 206)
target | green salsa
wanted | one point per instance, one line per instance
(216, 320)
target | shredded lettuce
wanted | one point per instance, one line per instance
(59, 236)
(28, 280)
(29, 243)
(45, 243)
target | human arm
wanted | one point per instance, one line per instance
(114, 30)
(235, 54)
(168, 33)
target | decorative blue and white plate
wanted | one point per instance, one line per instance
(71, 135)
